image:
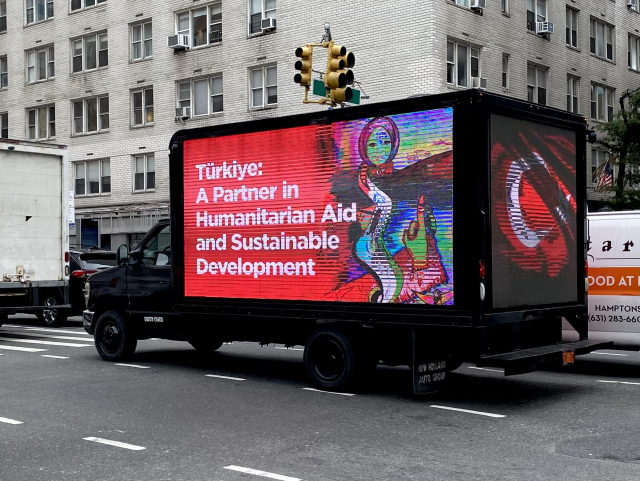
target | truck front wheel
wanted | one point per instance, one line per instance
(329, 358)
(114, 338)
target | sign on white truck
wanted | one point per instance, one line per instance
(34, 230)
(613, 253)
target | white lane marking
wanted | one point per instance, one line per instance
(264, 474)
(607, 354)
(48, 343)
(54, 357)
(24, 349)
(622, 382)
(48, 336)
(290, 348)
(225, 377)
(10, 421)
(44, 329)
(132, 365)
(117, 444)
(327, 392)
(480, 413)
(485, 369)
(11, 325)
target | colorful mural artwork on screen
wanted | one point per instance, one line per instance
(357, 211)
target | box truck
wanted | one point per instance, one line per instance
(613, 254)
(421, 232)
(34, 230)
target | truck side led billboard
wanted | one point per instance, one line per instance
(357, 211)
(533, 213)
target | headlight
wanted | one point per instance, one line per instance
(86, 293)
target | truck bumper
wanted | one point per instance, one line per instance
(87, 321)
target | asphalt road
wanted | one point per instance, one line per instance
(244, 414)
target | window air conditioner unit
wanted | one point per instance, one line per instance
(268, 24)
(178, 42)
(183, 113)
(632, 4)
(544, 27)
(478, 5)
(479, 83)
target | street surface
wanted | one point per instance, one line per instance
(247, 414)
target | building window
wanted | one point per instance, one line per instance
(40, 64)
(634, 5)
(92, 177)
(90, 115)
(601, 39)
(572, 28)
(144, 172)
(41, 123)
(3, 16)
(203, 26)
(90, 52)
(38, 10)
(573, 88)
(463, 62)
(4, 125)
(204, 95)
(264, 87)
(142, 107)
(141, 41)
(602, 99)
(80, 4)
(463, 3)
(537, 85)
(504, 6)
(505, 72)
(259, 9)
(4, 76)
(598, 157)
(633, 55)
(536, 12)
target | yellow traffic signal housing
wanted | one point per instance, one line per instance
(304, 66)
(341, 95)
(334, 78)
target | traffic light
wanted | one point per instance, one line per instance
(338, 75)
(304, 65)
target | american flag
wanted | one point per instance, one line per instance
(606, 177)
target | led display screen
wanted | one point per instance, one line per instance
(354, 211)
(533, 213)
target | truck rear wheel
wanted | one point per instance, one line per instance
(113, 337)
(330, 359)
(52, 317)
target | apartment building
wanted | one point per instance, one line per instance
(98, 75)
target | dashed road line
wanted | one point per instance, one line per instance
(290, 348)
(621, 382)
(23, 349)
(44, 329)
(131, 365)
(117, 444)
(485, 369)
(327, 392)
(48, 336)
(608, 354)
(225, 377)
(264, 474)
(468, 411)
(48, 343)
(54, 357)
(10, 421)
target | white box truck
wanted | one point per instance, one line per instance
(34, 230)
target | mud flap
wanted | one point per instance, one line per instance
(429, 364)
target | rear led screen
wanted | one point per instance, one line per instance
(357, 211)
(533, 213)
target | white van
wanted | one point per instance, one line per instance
(614, 279)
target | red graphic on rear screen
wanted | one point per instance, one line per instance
(356, 211)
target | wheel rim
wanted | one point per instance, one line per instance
(329, 360)
(110, 337)
(50, 315)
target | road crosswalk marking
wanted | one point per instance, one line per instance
(58, 331)
(48, 343)
(24, 349)
(48, 336)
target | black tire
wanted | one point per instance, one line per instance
(52, 317)
(114, 337)
(332, 363)
(206, 345)
(3, 318)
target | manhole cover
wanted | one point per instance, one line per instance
(616, 447)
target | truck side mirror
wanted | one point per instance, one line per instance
(122, 255)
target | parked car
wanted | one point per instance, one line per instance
(83, 263)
